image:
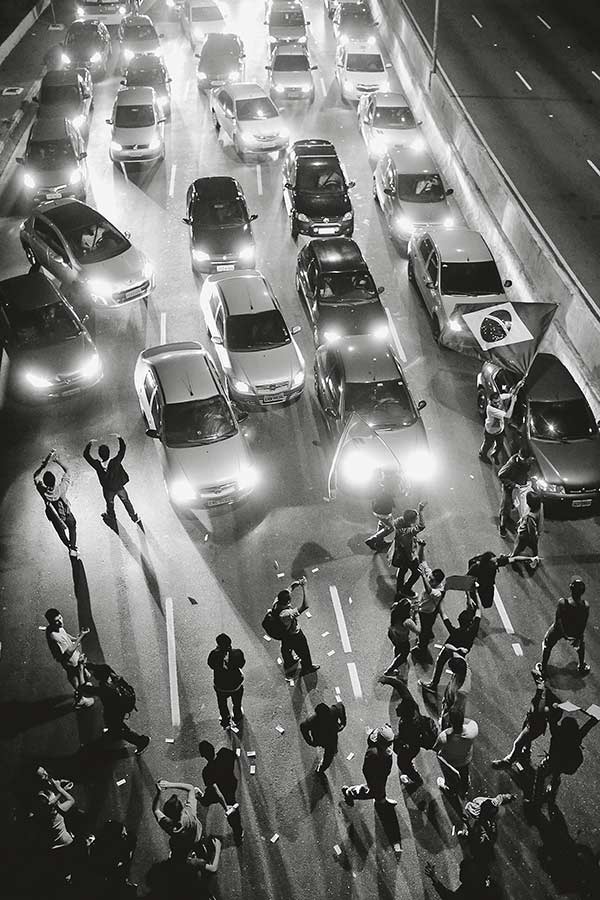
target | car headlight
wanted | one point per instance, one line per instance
(122, 9)
(200, 255)
(28, 180)
(100, 290)
(454, 325)
(202, 76)
(234, 76)
(306, 89)
(127, 53)
(284, 133)
(78, 121)
(298, 379)
(371, 40)
(343, 40)
(377, 146)
(80, 12)
(418, 143)
(75, 177)
(241, 387)
(181, 491)
(247, 253)
(248, 478)
(357, 467)
(272, 40)
(65, 60)
(278, 88)
(448, 221)
(380, 332)
(302, 217)
(420, 466)
(91, 367)
(114, 145)
(404, 224)
(331, 336)
(347, 217)
(38, 381)
(154, 144)
(302, 40)
(549, 488)
(147, 271)
(96, 57)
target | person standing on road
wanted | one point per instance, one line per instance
(428, 604)
(564, 757)
(460, 639)
(493, 430)
(221, 784)
(454, 748)
(294, 646)
(228, 680)
(570, 619)
(542, 709)
(113, 478)
(513, 474)
(52, 487)
(382, 507)
(402, 623)
(377, 766)
(457, 689)
(321, 729)
(115, 706)
(484, 568)
(405, 554)
(179, 820)
(66, 650)
(528, 530)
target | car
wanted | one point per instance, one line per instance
(452, 265)
(205, 457)
(87, 45)
(338, 291)
(359, 69)
(286, 23)
(109, 12)
(290, 73)
(150, 71)
(353, 21)
(67, 94)
(220, 61)
(385, 121)
(87, 254)
(249, 118)
(553, 423)
(315, 190)
(201, 18)
(220, 233)
(137, 121)
(410, 192)
(48, 348)
(258, 355)
(54, 164)
(137, 37)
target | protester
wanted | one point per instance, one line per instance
(221, 784)
(382, 507)
(528, 530)
(460, 639)
(402, 623)
(113, 478)
(454, 748)
(542, 709)
(480, 826)
(513, 474)
(110, 859)
(484, 568)
(493, 429)
(403, 551)
(52, 487)
(377, 765)
(204, 861)
(428, 604)
(179, 820)
(66, 650)
(228, 680)
(569, 624)
(294, 646)
(475, 882)
(458, 688)
(321, 729)
(118, 701)
(564, 757)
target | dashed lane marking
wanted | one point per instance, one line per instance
(163, 328)
(355, 680)
(502, 612)
(341, 621)
(172, 661)
(259, 179)
(172, 180)
(518, 649)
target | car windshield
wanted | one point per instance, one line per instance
(420, 188)
(394, 117)
(364, 62)
(146, 77)
(206, 14)
(44, 326)
(50, 154)
(218, 55)
(256, 108)
(290, 63)
(139, 33)
(339, 287)
(569, 420)
(320, 176)
(83, 42)
(383, 404)
(286, 18)
(59, 93)
(96, 242)
(216, 214)
(256, 331)
(351, 13)
(475, 278)
(134, 116)
(198, 422)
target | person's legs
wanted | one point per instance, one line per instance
(357, 792)
(109, 499)
(521, 544)
(414, 577)
(401, 650)
(400, 576)
(118, 730)
(427, 621)
(406, 767)
(505, 510)
(551, 638)
(580, 649)
(71, 526)
(329, 751)
(124, 498)
(236, 701)
(287, 654)
(302, 649)
(489, 441)
(442, 658)
(60, 528)
(223, 704)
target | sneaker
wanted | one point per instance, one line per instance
(421, 542)
(74, 552)
(504, 763)
(538, 671)
(231, 809)
(83, 702)
(427, 685)
(347, 800)
(584, 669)
(309, 671)
(441, 783)
(143, 747)
(387, 800)
(232, 727)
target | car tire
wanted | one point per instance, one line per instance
(410, 271)
(215, 121)
(436, 328)
(481, 403)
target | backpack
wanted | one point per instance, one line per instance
(124, 694)
(273, 626)
(428, 732)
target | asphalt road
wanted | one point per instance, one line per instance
(529, 75)
(229, 563)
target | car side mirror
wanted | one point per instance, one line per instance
(161, 35)
(216, 339)
(169, 80)
(289, 186)
(388, 65)
(351, 184)
(197, 55)
(108, 121)
(160, 121)
(389, 191)
(254, 217)
(20, 161)
(186, 221)
(127, 234)
(380, 290)
(421, 404)
(508, 283)
(314, 68)
(449, 192)
(240, 414)
(296, 329)
(307, 23)
(429, 284)
(151, 433)
(268, 68)
(419, 123)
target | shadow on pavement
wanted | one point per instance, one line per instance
(17, 716)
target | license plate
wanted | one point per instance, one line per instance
(327, 230)
(53, 195)
(580, 503)
(217, 83)
(133, 293)
(226, 268)
(220, 502)
(274, 398)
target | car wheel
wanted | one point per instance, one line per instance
(410, 271)
(31, 257)
(481, 402)
(436, 328)
(215, 121)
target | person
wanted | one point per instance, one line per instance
(528, 530)
(377, 765)
(484, 568)
(221, 784)
(55, 803)
(294, 646)
(460, 639)
(113, 478)
(52, 487)
(570, 620)
(110, 858)
(493, 429)
(382, 507)
(409, 737)
(564, 757)
(402, 624)
(228, 680)
(321, 729)
(542, 709)
(179, 820)
(513, 474)
(480, 829)
(475, 882)
(404, 553)
(428, 605)
(458, 688)
(454, 747)
(108, 690)
(203, 860)
(66, 650)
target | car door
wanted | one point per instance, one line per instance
(432, 276)
(289, 178)
(312, 290)
(217, 335)
(423, 249)
(228, 113)
(145, 397)
(53, 255)
(209, 304)
(5, 334)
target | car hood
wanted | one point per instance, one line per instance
(575, 463)
(267, 366)
(221, 240)
(50, 177)
(395, 137)
(121, 271)
(287, 32)
(319, 205)
(212, 464)
(356, 31)
(351, 318)
(130, 136)
(262, 126)
(406, 445)
(370, 78)
(147, 46)
(424, 213)
(293, 79)
(58, 359)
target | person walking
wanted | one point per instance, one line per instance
(52, 480)
(454, 747)
(294, 646)
(405, 554)
(377, 765)
(321, 729)
(564, 757)
(221, 784)
(428, 604)
(66, 650)
(496, 414)
(118, 700)
(457, 690)
(570, 620)
(382, 507)
(484, 568)
(515, 473)
(113, 478)
(528, 530)
(402, 624)
(460, 639)
(542, 709)
(227, 663)
(480, 830)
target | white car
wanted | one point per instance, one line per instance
(286, 23)
(205, 458)
(108, 11)
(385, 120)
(137, 126)
(249, 118)
(360, 69)
(290, 73)
(257, 352)
(202, 17)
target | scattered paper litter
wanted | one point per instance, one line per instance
(350, 756)
(518, 767)
(279, 729)
(275, 838)
(331, 652)
(252, 770)
(104, 730)
(275, 563)
(326, 499)
(251, 753)
(281, 574)
(206, 537)
(518, 649)
(266, 637)
(41, 627)
(169, 740)
(192, 601)
(316, 569)
(438, 646)
(121, 781)
(324, 633)
(593, 710)
(568, 707)
(337, 849)
(472, 476)
(279, 661)
(337, 690)
(350, 600)
(308, 614)
(397, 848)
(238, 752)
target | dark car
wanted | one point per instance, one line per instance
(137, 36)
(87, 44)
(48, 349)
(553, 422)
(338, 290)
(220, 61)
(150, 71)
(67, 94)
(315, 190)
(220, 234)
(54, 164)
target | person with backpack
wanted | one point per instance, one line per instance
(228, 680)
(528, 530)
(118, 702)
(415, 730)
(564, 757)
(377, 765)
(570, 620)
(542, 709)
(460, 639)
(113, 478)
(281, 623)
(513, 474)
(428, 604)
(321, 729)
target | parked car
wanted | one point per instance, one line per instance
(249, 118)
(137, 134)
(359, 69)
(286, 23)
(220, 61)
(150, 71)
(54, 164)
(353, 21)
(290, 73)
(109, 12)
(67, 94)
(137, 37)
(385, 121)
(87, 45)
(315, 190)
(221, 237)
(200, 18)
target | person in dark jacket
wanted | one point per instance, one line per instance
(570, 619)
(514, 473)
(382, 506)
(113, 478)
(114, 716)
(407, 743)
(219, 774)
(377, 766)
(405, 554)
(564, 757)
(52, 487)
(528, 530)
(542, 709)
(460, 639)
(228, 680)
(322, 729)
(402, 623)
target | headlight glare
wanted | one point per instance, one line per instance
(28, 180)
(347, 217)
(419, 466)
(448, 221)
(75, 177)
(302, 40)
(278, 88)
(147, 271)
(114, 145)
(78, 121)
(96, 57)
(248, 478)
(357, 468)
(200, 255)
(90, 368)
(202, 76)
(128, 54)
(80, 12)
(331, 336)
(234, 76)
(154, 144)
(100, 290)
(247, 253)
(381, 332)
(181, 491)
(65, 60)
(298, 379)
(549, 488)
(404, 224)
(38, 381)
(241, 387)
(302, 217)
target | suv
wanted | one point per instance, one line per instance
(286, 23)
(354, 22)
(150, 71)
(137, 127)
(249, 118)
(54, 163)
(290, 73)
(410, 191)
(257, 353)
(360, 69)
(220, 61)
(315, 190)
(87, 44)
(553, 423)
(338, 291)
(206, 460)
(67, 93)
(220, 234)
(137, 36)
(449, 266)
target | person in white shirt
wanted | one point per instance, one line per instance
(495, 416)
(454, 748)
(66, 650)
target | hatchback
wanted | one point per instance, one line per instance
(200, 18)
(385, 120)
(249, 118)
(290, 73)
(150, 71)
(54, 164)
(354, 22)
(220, 61)
(315, 190)
(220, 233)
(137, 36)
(87, 44)
(286, 23)
(137, 127)
(67, 94)
(359, 69)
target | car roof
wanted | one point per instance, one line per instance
(214, 37)
(247, 90)
(208, 3)
(291, 49)
(136, 19)
(68, 214)
(366, 360)
(183, 371)
(313, 147)
(358, 46)
(83, 25)
(218, 187)
(338, 254)
(30, 291)
(48, 128)
(244, 292)
(138, 95)
(548, 380)
(60, 77)
(287, 6)
(409, 160)
(460, 244)
(390, 98)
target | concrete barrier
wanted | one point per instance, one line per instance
(491, 204)
(8, 45)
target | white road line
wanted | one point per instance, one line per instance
(502, 612)
(520, 77)
(163, 328)
(172, 180)
(341, 622)
(518, 649)
(595, 74)
(476, 20)
(186, 92)
(593, 166)
(353, 673)
(323, 85)
(172, 660)
(544, 23)
(259, 179)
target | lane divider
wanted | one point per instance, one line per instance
(502, 612)
(172, 662)
(341, 621)
(354, 680)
